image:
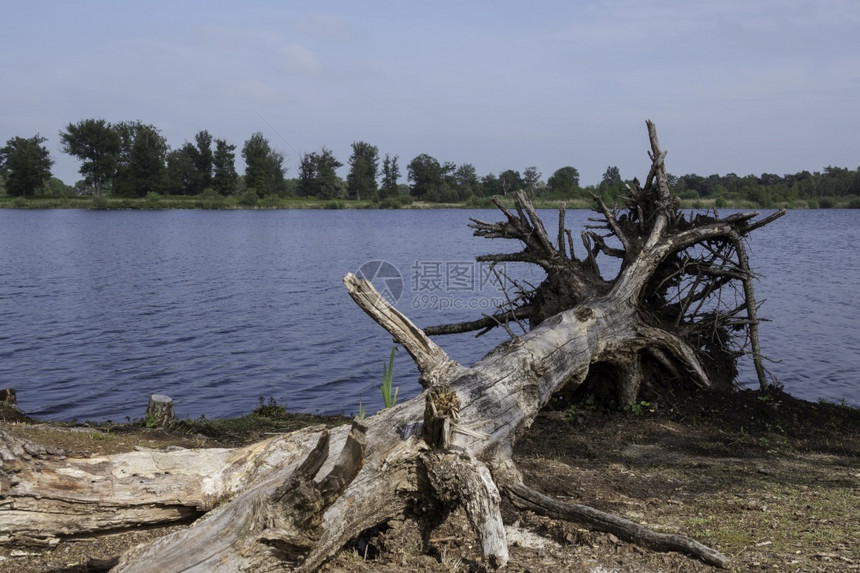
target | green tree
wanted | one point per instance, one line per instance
(612, 176)
(256, 152)
(306, 184)
(203, 162)
(425, 173)
(390, 175)
(447, 191)
(189, 168)
(363, 168)
(511, 181)
(264, 167)
(81, 187)
(854, 187)
(224, 178)
(181, 170)
(317, 176)
(836, 180)
(25, 164)
(564, 181)
(611, 184)
(531, 179)
(329, 184)
(490, 185)
(96, 144)
(56, 188)
(142, 160)
(466, 182)
(692, 182)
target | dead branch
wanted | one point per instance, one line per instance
(527, 498)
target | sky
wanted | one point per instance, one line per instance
(734, 86)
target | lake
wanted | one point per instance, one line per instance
(216, 309)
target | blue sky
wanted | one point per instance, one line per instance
(734, 86)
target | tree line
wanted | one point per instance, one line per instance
(132, 159)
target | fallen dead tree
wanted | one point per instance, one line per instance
(293, 501)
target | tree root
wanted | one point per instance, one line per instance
(526, 498)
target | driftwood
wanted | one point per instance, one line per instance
(293, 501)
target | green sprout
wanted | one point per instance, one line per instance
(388, 397)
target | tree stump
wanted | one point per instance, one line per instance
(159, 412)
(8, 397)
(9, 410)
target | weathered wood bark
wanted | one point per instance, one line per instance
(45, 495)
(293, 501)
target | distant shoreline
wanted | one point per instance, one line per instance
(158, 202)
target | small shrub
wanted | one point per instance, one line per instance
(153, 198)
(210, 199)
(389, 203)
(589, 404)
(270, 202)
(639, 408)
(249, 198)
(150, 420)
(270, 409)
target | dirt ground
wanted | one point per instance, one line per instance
(771, 481)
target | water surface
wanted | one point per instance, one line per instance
(218, 308)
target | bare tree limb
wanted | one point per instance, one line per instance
(491, 321)
(433, 362)
(526, 498)
(752, 313)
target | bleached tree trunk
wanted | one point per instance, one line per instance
(500, 395)
(45, 495)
